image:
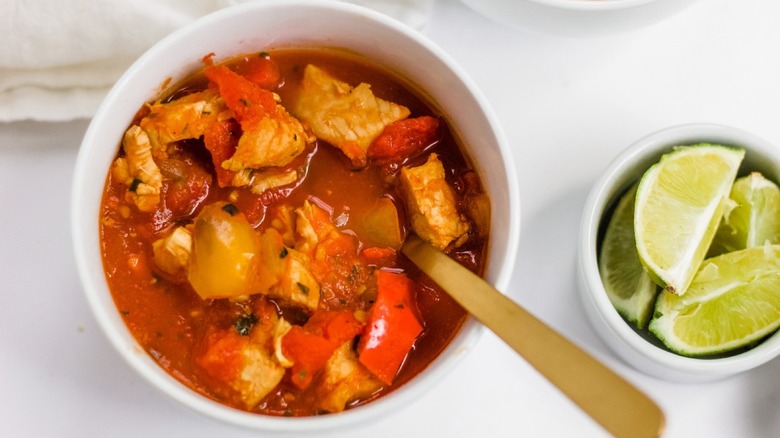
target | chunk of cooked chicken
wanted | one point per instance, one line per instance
(282, 218)
(172, 252)
(138, 170)
(297, 286)
(281, 329)
(271, 141)
(268, 179)
(271, 137)
(245, 364)
(181, 119)
(284, 274)
(348, 118)
(431, 204)
(312, 225)
(345, 380)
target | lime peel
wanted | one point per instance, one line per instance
(630, 290)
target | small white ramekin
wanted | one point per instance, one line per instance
(578, 17)
(640, 349)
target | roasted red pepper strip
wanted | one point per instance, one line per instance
(311, 345)
(221, 142)
(245, 99)
(392, 327)
(404, 138)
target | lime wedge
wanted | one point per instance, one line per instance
(752, 218)
(629, 288)
(732, 302)
(679, 203)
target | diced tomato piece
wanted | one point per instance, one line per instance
(311, 345)
(308, 351)
(185, 186)
(261, 70)
(338, 326)
(139, 266)
(252, 206)
(392, 327)
(342, 244)
(223, 357)
(404, 138)
(221, 141)
(245, 99)
(377, 253)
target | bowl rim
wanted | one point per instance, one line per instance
(589, 5)
(613, 181)
(84, 245)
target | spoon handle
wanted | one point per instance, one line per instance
(609, 399)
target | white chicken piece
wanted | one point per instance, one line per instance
(431, 204)
(297, 286)
(268, 179)
(348, 118)
(138, 170)
(345, 380)
(284, 273)
(271, 141)
(312, 226)
(281, 329)
(245, 363)
(260, 375)
(282, 218)
(172, 252)
(262, 180)
(181, 119)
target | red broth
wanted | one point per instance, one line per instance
(177, 326)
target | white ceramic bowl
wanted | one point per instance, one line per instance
(280, 24)
(577, 17)
(635, 348)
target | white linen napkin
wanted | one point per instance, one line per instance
(58, 58)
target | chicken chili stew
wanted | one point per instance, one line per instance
(251, 226)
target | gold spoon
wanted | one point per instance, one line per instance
(614, 403)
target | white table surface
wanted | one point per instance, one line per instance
(568, 105)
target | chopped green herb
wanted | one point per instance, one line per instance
(304, 289)
(284, 253)
(244, 324)
(134, 185)
(125, 312)
(230, 209)
(243, 101)
(265, 55)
